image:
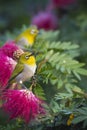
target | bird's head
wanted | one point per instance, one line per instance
(31, 34)
(33, 31)
(27, 38)
(27, 58)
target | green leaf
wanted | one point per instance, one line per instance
(39, 92)
(82, 71)
(63, 46)
(77, 75)
(54, 106)
(79, 119)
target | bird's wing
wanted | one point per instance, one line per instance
(18, 69)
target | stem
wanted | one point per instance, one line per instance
(31, 87)
(41, 64)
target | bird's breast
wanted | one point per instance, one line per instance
(27, 73)
(23, 42)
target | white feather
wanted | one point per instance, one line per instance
(27, 73)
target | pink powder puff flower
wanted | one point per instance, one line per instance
(9, 48)
(62, 3)
(45, 20)
(8, 54)
(7, 66)
(23, 104)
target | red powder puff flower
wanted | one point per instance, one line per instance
(45, 20)
(22, 103)
(7, 66)
(62, 3)
(8, 52)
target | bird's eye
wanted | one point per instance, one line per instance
(33, 31)
(26, 57)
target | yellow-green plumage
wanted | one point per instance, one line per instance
(27, 38)
(24, 69)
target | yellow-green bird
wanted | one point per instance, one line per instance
(25, 68)
(27, 38)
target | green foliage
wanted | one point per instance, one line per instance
(10, 127)
(61, 75)
(38, 90)
(56, 80)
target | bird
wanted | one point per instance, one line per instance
(25, 68)
(27, 38)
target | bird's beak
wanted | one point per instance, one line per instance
(32, 54)
(39, 32)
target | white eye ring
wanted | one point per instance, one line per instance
(32, 31)
(26, 57)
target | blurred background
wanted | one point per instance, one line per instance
(13, 14)
(69, 17)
